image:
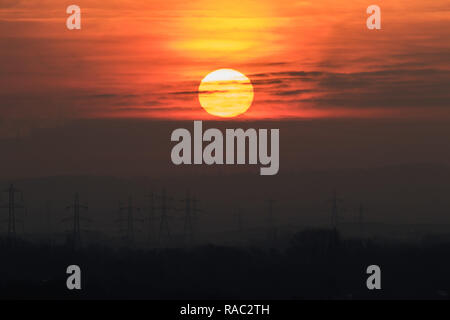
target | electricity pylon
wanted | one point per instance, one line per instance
(191, 212)
(335, 219)
(271, 227)
(151, 218)
(164, 217)
(361, 220)
(240, 224)
(12, 206)
(335, 211)
(119, 219)
(188, 229)
(129, 219)
(196, 211)
(76, 230)
(49, 220)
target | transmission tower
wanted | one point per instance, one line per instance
(49, 220)
(240, 224)
(271, 228)
(76, 230)
(129, 220)
(188, 223)
(120, 219)
(334, 211)
(196, 211)
(191, 212)
(164, 218)
(361, 220)
(12, 206)
(151, 218)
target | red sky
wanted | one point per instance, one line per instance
(145, 59)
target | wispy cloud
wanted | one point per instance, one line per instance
(304, 58)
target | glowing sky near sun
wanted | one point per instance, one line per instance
(146, 58)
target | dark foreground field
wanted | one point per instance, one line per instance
(318, 264)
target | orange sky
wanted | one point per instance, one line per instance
(136, 58)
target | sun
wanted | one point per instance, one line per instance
(225, 93)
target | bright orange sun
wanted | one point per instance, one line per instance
(225, 93)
